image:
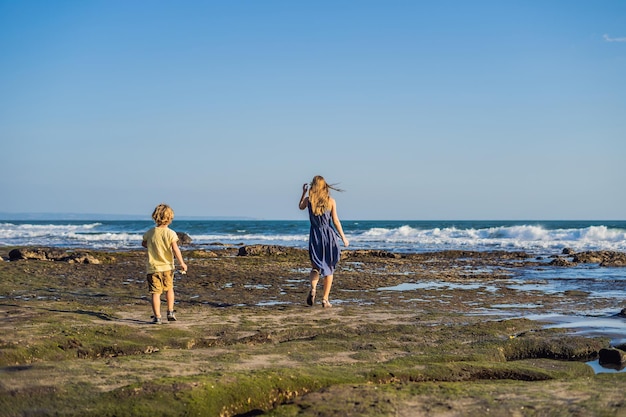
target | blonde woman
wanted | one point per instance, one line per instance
(323, 248)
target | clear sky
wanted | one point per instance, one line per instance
(418, 109)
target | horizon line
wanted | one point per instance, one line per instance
(60, 216)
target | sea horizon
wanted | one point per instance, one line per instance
(55, 216)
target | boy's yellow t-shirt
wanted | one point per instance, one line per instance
(160, 253)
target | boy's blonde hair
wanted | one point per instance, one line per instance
(163, 214)
(319, 195)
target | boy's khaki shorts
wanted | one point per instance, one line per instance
(160, 282)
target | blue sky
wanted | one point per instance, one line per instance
(418, 109)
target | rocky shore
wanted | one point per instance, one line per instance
(76, 338)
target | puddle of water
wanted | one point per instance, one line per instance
(605, 368)
(523, 306)
(271, 303)
(613, 327)
(431, 285)
(599, 282)
(257, 286)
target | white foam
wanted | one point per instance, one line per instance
(523, 237)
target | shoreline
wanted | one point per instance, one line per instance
(242, 318)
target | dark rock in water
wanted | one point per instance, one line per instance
(80, 258)
(604, 258)
(562, 262)
(576, 293)
(183, 238)
(619, 262)
(257, 250)
(50, 254)
(622, 313)
(370, 252)
(41, 254)
(567, 251)
(612, 356)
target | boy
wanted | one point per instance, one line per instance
(161, 242)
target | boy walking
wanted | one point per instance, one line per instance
(162, 245)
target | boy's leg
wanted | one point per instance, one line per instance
(155, 287)
(156, 305)
(169, 296)
(168, 287)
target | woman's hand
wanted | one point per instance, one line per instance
(346, 243)
(303, 198)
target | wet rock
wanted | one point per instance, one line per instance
(562, 262)
(41, 254)
(261, 250)
(202, 254)
(612, 356)
(50, 254)
(604, 258)
(576, 293)
(568, 251)
(81, 258)
(370, 253)
(184, 238)
(538, 345)
(619, 262)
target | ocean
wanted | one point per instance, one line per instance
(535, 237)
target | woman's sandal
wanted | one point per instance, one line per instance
(310, 299)
(326, 304)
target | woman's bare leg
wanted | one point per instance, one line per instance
(328, 283)
(314, 277)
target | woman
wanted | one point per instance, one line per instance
(323, 248)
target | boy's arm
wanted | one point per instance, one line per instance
(179, 256)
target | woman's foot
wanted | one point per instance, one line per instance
(310, 299)
(326, 304)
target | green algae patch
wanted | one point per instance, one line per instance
(66, 341)
(220, 395)
(553, 345)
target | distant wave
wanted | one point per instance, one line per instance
(525, 237)
(394, 236)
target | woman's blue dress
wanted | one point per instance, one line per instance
(323, 246)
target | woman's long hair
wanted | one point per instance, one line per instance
(319, 195)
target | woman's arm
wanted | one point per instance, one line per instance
(336, 222)
(304, 201)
